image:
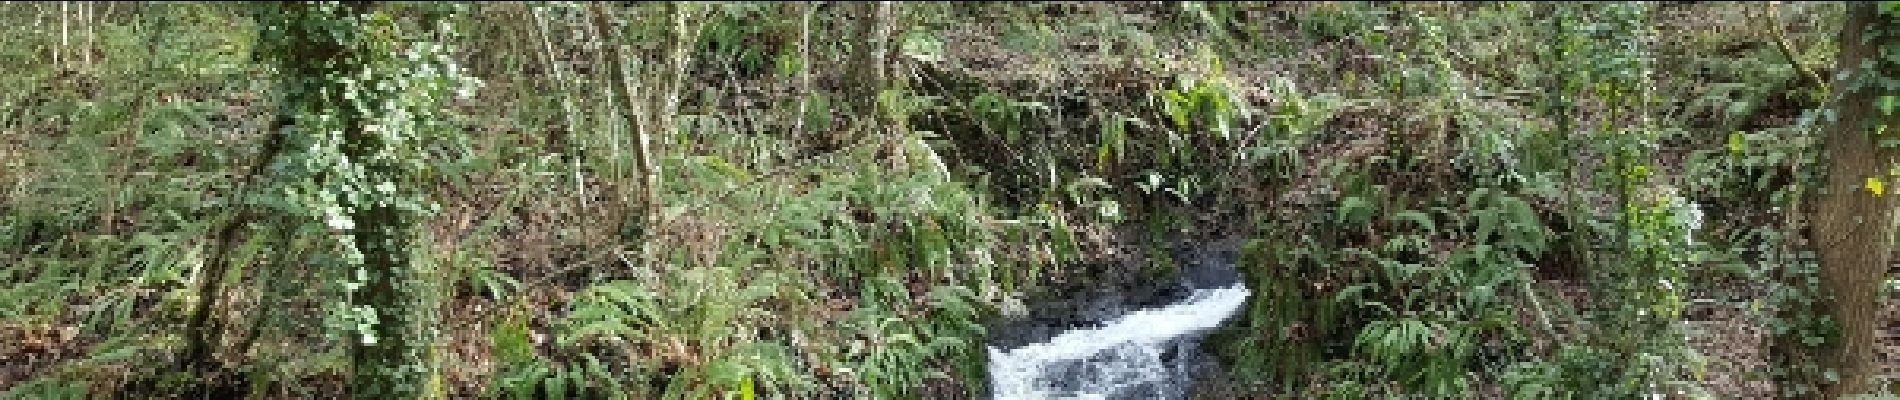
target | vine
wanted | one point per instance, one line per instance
(362, 99)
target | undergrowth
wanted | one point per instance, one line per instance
(1442, 199)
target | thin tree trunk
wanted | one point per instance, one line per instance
(887, 123)
(807, 11)
(202, 335)
(650, 130)
(201, 332)
(685, 36)
(622, 92)
(867, 55)
(65, 30)
(879, 24)
(869, 74)
(85, 19)
(558, 140)
(1853, 218)
(678, 60)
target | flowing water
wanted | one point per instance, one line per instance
(1146, 354)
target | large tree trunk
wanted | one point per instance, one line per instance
(1853, 218)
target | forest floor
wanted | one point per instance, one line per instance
(1729, 337)
(1732, 340)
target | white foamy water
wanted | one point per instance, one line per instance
(1139, 355)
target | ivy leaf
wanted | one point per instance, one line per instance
(337, 220)
(1876, 186)
(1886, 104)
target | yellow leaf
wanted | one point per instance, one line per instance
(1874, 185)
(1735, 142)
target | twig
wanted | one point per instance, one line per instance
(1771, 15)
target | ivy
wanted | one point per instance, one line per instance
(364, 96)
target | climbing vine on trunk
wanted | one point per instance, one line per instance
(363, 95)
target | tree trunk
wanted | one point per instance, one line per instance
(65, 35)
(201, 338)
(623, 94)
(314, 45)
(85, 20)
(870, 74)
(1853, 217)
(869, 43)
(387, 368)
(685, 39)
(806, 10)
(652, 116)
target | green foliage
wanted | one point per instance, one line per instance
(536, 379)
(48, 389)
(1419, 259)
(1199, 106)
(741, 313)
(1425, 178)
(525, 375)
(747, 37)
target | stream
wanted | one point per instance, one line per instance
(1147, 353)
